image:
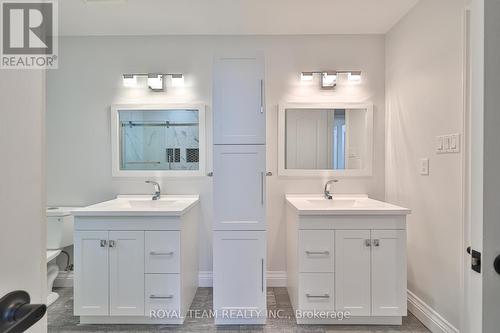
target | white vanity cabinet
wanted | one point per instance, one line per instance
(132, 268)
(346, 260)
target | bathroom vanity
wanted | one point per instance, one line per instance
(136, 260)
(347, 254)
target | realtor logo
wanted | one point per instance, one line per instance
(29, 34)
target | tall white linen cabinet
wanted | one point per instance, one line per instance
(239, 190)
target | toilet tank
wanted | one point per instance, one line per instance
(59, 227)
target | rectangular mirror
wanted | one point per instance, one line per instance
(325, 139)
(163, 140)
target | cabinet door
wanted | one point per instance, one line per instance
(352, 271)
(126, 273)
(239, 271)
(388, 272)
(91, 273)
(238, 101)
(239, 187)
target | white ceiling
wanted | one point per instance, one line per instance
(179, 17)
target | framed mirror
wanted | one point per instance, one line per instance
(158, 140)
(325, 139)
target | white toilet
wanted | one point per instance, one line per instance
(59, 235)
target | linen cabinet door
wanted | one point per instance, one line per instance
(352, 271)
(91, 273)
(238, 101)
(388, 273)
(239, 187)
(126, 273)
(239, 274)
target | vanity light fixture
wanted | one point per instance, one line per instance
(155, 80)
(328, 80)
(129, 80)
(177, 80)
(354, 76)
(306, 76)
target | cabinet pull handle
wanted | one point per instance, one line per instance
(103, 243)
(376, 242)
(318, 296)
(318, 253)
(262, 274)
(210, 174)
(262, 188)
(368, 243)
(112, 243)
(261, 96)
(154, 253)
(161, 297)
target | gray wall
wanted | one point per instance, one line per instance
(88, 81)
(424, 99)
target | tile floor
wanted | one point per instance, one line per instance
(61, 319)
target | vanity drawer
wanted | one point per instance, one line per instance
(162, 252)
(162, 293)
(316, 291)
(316, 251)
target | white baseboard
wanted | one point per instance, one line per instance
(64, 279)
(274, 278)
(428, 316)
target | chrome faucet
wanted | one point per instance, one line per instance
(157, 194)
(329, 193)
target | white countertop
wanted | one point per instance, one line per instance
(352, 204)
(141, 205)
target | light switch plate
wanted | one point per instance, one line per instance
(424, 167)
(447, 144)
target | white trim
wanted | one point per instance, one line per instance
(274, 278)
(115, 139)
(365, 172)
(428, 316)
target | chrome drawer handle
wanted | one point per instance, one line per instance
(104, 243)
(376, 242)
(318, 296)
(368, 243)
(112, 243)
(161, 297)
(154, 253)
(318, 253)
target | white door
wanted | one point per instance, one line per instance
(239, 187)
(483, 300)
(91, 273)
(309, 149)
(352, 271)
(238, 101)
(126, 273)
(388, 273)
(239, 271)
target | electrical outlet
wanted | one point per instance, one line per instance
(424, 167)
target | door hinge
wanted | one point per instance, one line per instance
(475, 263)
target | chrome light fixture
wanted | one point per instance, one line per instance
(328, 80)
(129, 80)
(155, 80)
(306, 76)
(354, 76)
(177, 80)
